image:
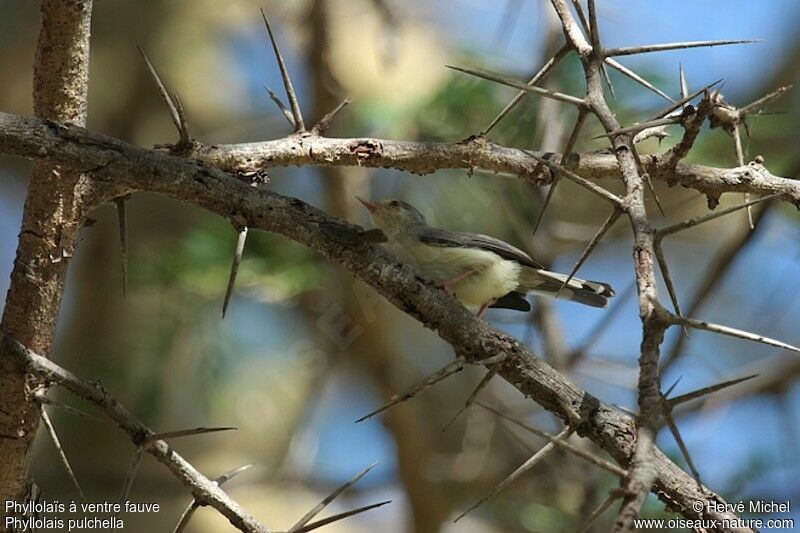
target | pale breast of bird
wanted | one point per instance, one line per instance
(494, 276)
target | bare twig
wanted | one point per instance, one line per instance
(555, 95)
(184, 433)
(61, 454)
(604, 506)
(586, 184)
(563, 444)
(297, 116)
(484, 381)
(539, 76)
(130, 475)
(696, 221)
(662, 264)
(689, 396)
(328, 499)
(676, 434)
(631, 50)
(241, 240)
(325, 122)
(122, 223)
(188, 512)
(49, 401)
(733, 332)
(281, 107)
(341, 516)
(423, 385)
(601, 232)
(175, 112)
(524, 467)
(622, 69)
(203, 489)
(573, 138)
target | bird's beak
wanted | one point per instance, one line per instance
(371, 206)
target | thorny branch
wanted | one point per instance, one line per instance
(201, 178)
(114, 161)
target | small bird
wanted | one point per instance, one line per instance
(479, 270)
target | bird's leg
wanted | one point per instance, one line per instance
(447, 285)
(485, 306)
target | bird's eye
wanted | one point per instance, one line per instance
(395, 203)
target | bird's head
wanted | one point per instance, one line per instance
(393, 216)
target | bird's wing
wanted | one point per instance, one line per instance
(459, 239)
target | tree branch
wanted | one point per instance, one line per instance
(113, 161)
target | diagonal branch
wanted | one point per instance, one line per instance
(342, 243)
(573, 138)
(601, 232)
(625, 71)
(524, 467)
(443, 373)
(539, 76)
(555, 95)
(51, 430)
(204, 490)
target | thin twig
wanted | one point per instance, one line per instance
(524, 467)
(241, 240)
(733, 332)
(625, 71)
(55, 403)
(586, 184)
(423, 385)
(601, 232)
(737, 146)
(699, 393)
(492, 372)
(631, 50)
(662, 264)
(328, 499)
(684, 100)
(539, 76)
(122, 224)
(676, 434)
(341, 516)
(696, 221)
(51, 430)
(586, 456)
(764, 100)
(174, 113)
(604, 506)
(325, 122)
(277, 101)
(188, 512)
(136, 459)
(185, 433)
(555, 95)
(297, 116)
(573, 138)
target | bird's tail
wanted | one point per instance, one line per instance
(544, 282)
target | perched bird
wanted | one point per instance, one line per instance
(479, 270)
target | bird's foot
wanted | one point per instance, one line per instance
(484, 307)
(447, 287)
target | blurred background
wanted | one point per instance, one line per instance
(305, 349)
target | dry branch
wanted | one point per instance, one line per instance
(113, 161)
